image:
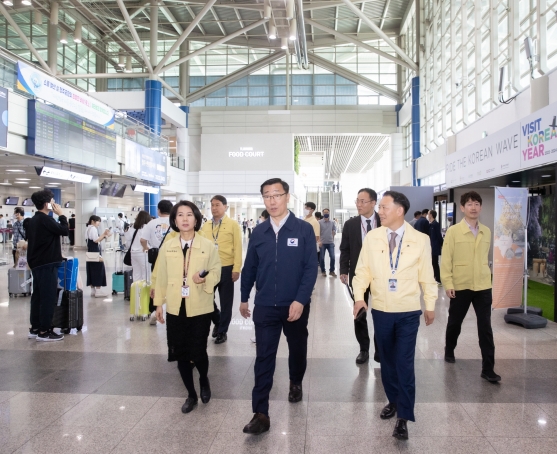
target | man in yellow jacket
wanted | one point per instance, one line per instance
(466, 276)
(226, 235)
(394, 262)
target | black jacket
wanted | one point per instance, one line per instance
(422, 225)
(43, 236)
(351, 244)
(436, 238)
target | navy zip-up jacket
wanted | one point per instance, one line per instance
(283, 267)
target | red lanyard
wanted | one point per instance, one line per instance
(187, 266)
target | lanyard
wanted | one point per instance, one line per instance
(393, 269)
(213, 231)
(187, 266)
(364, 229)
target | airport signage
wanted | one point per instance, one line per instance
(37, 83)
(530, 142)
(246, 152)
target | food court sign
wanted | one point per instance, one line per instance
(528, 143)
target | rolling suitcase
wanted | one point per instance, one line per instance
(140, 294)
(19, 282)
(68, 312)
(128, 281)
(118, 276)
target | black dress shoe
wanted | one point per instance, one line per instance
(189, 404)
(401, 431)
(388, 411)
(296, 393)
(449, 357)
(363, 357)
(376, 357)
(205, 391)
(221, 338)
(215, 331)
(259, 423)
(491, 377)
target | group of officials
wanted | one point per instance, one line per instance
(382, 256)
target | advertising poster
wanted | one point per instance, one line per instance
(541, 239)
(509, 248)
(4, 117)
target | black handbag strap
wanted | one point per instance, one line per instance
(164, 237)
(133, 238)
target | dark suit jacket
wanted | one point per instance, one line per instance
(436, 238)
(351, 245)
(422, 225)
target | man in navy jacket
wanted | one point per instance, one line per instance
(280, 261)
(436, 239)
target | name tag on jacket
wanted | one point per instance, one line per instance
(292, 242)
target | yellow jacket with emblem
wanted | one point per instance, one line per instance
(229, 238)
(464, 258)
(414, 270)
(170, 275)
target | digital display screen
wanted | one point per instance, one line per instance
(63, 136)
(113, 189)
(144, 163)
(69, 205)
(27, 203)
(12, 201)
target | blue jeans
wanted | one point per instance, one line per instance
(331, 248)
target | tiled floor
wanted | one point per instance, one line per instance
(110, 388)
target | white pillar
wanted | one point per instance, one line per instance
(154, 32)
(86, 200)
(183, 146)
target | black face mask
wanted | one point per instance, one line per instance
(326, 216)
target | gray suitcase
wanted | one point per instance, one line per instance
(16, 279)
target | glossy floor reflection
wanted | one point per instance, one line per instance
(110, 388)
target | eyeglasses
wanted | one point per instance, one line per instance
(362, 202)
(273, 197)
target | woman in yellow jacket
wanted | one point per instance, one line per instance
(188, 291)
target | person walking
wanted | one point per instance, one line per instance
(309, 209)
(417, 215)
(226, 237)
(71, 223)
(188, 269)
(395, 279)
(251, 225)
(19, 231)
(422, 224)
(244, 225)
(466, 276)
(436, 240)
(96, 272)
(44, 255)
(133, 238)
(120, 230)
(280, 261)
(2, 229)
(353, 234)
(327, 233)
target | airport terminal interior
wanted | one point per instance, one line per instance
(116, 106)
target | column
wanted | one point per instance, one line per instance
(100, 68)
(52, 47)
(184, 70)
(153, 100)
(416, 153)
(86, 200)
(154, 32)
(151, 202)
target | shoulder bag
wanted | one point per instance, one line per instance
(128, 256)
(153, 253)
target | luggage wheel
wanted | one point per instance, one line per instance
(114, 292)
(132, 318)
(144, 318)
(79, 327)
(65, 330)
(148, 315)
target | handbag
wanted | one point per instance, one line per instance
(153, 253)
(128, 256)
(93, 257)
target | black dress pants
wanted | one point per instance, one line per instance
(481, 300)
(43, 299)
(436, 271)
(362, 331)
(226, 296)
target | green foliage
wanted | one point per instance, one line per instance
(296, 156)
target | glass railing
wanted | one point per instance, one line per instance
(178, 162)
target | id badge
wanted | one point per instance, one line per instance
(217, 246)
(185, 291)
(393, 285)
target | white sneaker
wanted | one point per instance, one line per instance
(101, 294)
(93, 291)
(153, 319)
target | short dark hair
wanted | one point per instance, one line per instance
(220, 198)
(310, 205)
(372, 194)
(19, 210)
(326, 209)
(399, 199)
(42, 198)
(142, 218)
(417, 213)
(272, 181)
(425, 211)
(120, 215)
(265, 214)
(165, 206)
(73, 215)
(317, 214)
(471, 195)
(93, 218)
(433, 214)
(185, 203)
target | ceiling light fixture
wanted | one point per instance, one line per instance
(121, 60)
(20, 182)
(24, 179)
(26, 2)
(37, 17)
(15, 170)
(77, 32)
(267, 10)
(546, 176)
(63, 37)
(34, 187)
(8, 3)
(272, 31)
(128, 68)
(516, 181)
(290, 9)
(283, 43)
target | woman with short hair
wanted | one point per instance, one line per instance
(188, 269)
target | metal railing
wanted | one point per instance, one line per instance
(177, 161)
